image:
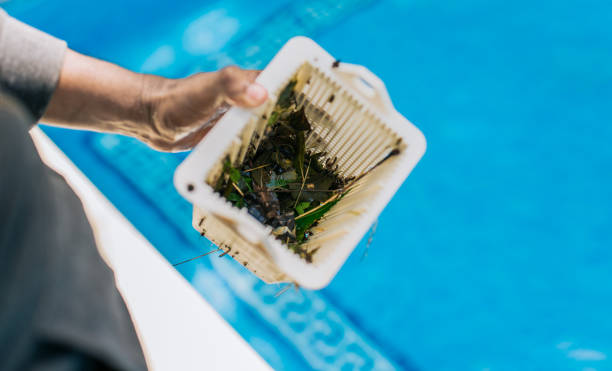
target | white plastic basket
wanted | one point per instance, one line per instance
(353, 122)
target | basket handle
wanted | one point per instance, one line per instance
(367, 84)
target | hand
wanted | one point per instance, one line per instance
(181, 112)
(167, 114)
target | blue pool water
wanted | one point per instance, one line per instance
(495, 254)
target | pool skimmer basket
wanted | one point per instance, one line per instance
(353, 123)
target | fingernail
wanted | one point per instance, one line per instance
(256, 92)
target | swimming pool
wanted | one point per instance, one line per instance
(495, 254)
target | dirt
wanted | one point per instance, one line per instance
(284, 184)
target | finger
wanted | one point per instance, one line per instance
(239, 87)
(184, 144)
(189, 141)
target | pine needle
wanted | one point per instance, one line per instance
(256, 168)
(197, 257)
(237, 189)
(297, 199)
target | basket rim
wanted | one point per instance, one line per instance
(195, 168)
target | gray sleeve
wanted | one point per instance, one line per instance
(30, 63)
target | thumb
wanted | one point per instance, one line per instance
(239, 88)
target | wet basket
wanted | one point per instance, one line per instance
(353, 122)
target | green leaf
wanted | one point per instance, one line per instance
(306, 222)
(302, 224)
(236, 199)
(273, 118)
(276, 183)
(248, 182)
(237, 178)
(284, 99)
(298, 121)
(301, 149)
(289, 176)
(301, 207)
(235, 175)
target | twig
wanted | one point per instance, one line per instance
(393, 152)
(331, 199)
(297, 199)
(199, 256)
(283, 290)
(229, 248)
(255, 168)
(348, 186)
(238, 189)
(370, 239)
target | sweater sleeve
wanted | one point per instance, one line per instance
(30, 63)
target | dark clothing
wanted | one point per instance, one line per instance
(59, 307)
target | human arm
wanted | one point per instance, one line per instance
(168, 114)
(68, 89)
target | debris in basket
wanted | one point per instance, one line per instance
(283, 184)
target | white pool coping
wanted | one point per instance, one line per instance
(178, 329)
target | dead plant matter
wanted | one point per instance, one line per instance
(283, 184)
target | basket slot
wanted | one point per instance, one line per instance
(345, 112)
(364, 154)
(217, 169)
(328, 142)
(326, 124)
(260, 128)
(354, 200)
(241, 250)
(246, 141)
(322, 241)
(339, 217)
(375, 155)
(214, 173)
(349, 208)
(234, 151)
(325, 236)
(320, 85)
(367, 134)
(310, 90)
(345, 142)
(300, 98)
(321, 123)
(320, 101)
(361, 197)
